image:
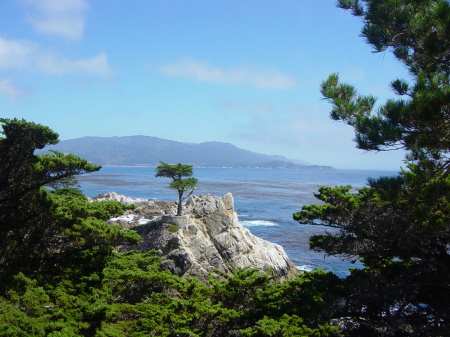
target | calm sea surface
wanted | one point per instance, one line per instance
(264, 199)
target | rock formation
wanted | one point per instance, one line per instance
(113, 196)
(208, 237)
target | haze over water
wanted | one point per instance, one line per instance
(264, 199)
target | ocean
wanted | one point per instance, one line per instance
(264, 199)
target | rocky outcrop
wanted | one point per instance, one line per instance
(146, 211)
(113, 196)
(209, 237)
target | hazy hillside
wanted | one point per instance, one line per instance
(146, 150)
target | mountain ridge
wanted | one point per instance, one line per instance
(150, 150)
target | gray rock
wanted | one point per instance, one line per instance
(208, 237)
(113, 196)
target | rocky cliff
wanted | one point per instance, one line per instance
(208, 237)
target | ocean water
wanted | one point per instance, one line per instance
(264, 200)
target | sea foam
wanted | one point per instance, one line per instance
(305, 267)
(254, 223)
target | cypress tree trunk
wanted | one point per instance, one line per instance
(180, 199)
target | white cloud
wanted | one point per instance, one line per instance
(204, 72)
(25, 55)
(10, 90)
(15, 54)
(52, 64)
(63, 18)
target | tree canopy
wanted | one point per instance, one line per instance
(399, 226)
(182, 180)
(418, 34)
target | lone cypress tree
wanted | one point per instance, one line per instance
(179, 183)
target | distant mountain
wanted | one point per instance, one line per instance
(146, 150)
(278, 164)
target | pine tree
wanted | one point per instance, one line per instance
(182, 180)
(399, 226)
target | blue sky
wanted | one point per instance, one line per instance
(242, 72)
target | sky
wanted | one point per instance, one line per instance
(244, 72)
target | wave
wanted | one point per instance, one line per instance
(254, 223)
(305, 267)
(131, 218)
(126, 218)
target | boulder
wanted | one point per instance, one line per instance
(113, 196)
(209, 237)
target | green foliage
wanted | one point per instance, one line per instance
(54, 244)
(179, 183)
(67, 182)
(26, 208)
(238, 305)
(418, 34)
(399, 226)
(286, 326)
(133, 277)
